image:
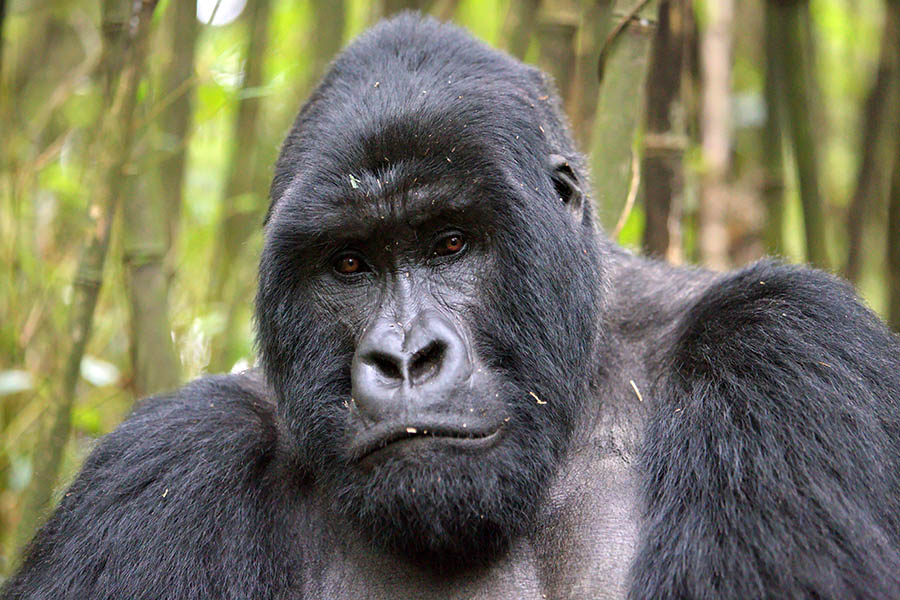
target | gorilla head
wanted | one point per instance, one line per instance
(430, 290)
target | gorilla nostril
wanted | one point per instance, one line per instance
(427, 361)
(386, 366)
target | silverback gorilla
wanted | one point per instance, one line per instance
(468, 392)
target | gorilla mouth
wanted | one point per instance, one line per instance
(465, 437)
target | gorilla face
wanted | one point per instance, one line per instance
(428, 305)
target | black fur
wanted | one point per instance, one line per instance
(417, 106)
(178, 502)
(765, 443)
(772, 458)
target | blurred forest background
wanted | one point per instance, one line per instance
(137, 140)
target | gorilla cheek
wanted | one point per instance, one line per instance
(315, 389)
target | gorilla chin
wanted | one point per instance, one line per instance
(448, 491)
(444, 503)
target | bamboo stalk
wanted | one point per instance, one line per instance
(893, 240)
(625, 58)
(716, 46)
(772, 142)
(797, 63)
(664, 143)
(2, 29)
(155, 366)
(328, 33)
(151, 216)
(118, 134)
(175, 120)
(242, 204)
(595, 19)
(519, 26)
(556, 33)
(879, 111)
(390, 7)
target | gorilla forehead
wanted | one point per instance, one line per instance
(413, 96)
(363, 201)
(405, 82)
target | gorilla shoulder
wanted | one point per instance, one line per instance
(776, 417)
(225, 425)
(181, 480)
(775, 312)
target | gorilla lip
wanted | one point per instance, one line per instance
(478, 436)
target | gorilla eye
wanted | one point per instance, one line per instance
(348, 264)
(450, 244)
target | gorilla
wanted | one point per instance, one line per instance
(467, 391)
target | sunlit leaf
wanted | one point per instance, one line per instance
(19, 472)
(15, 381)
(87, 419)
(99, 372)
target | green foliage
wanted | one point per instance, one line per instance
(48, 177)
(484, 18)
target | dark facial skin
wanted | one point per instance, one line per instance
(437, 430)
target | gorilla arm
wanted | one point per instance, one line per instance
(772, 457)
(172, 504)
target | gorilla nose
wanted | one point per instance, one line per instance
(401, 366)
(396, 371)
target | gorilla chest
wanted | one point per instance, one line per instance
(582, 547)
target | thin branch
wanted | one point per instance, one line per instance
(614, 36)
(632, 193)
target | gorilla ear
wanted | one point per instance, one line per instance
(565, 182)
